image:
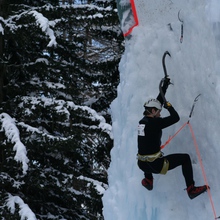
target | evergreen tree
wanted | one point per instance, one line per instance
(58, 75)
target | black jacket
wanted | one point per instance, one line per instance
(150, 129)
(150, 132)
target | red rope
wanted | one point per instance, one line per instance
(202, 167)
(200, 161)
(170, 138)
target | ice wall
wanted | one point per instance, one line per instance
(193, 68)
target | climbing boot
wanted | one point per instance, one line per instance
(194, 191)
(147, 183)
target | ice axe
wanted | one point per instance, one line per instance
(166, 76)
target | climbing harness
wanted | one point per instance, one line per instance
(149, 157)
(152, 157)
(165, 166)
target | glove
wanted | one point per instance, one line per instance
(166, 82)
(167, 105)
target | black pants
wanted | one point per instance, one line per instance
(175, 160)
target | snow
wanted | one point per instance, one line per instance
(25, 212)
(43, 60)
(99, 186)
(1, 29)
(214, 9)
(42, 21)
(12, 133)
(194, 69)
(9, 126)
(45, 27)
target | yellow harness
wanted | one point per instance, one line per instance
(153, 157)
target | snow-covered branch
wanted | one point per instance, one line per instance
(24, 211)
(45, 27)
(62, 107)
(12, 133)
(1, 30)
(38, 131)
(94, 116)
(100, 187)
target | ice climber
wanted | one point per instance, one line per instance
(150, 158)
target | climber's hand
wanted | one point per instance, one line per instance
(167, 105)
(166, 82)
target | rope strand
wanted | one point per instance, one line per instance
(171, 137)
(200, 161)
(203, 170)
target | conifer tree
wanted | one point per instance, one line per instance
(58, 75)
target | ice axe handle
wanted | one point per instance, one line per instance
(161, 91)
(165, 74)
(163, 63)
